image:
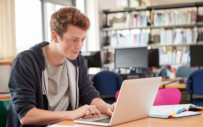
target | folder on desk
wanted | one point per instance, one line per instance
(174, 111)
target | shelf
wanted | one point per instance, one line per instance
(200, 24)
(171, 45)
(128, 28)
(156, 27)
(125, 10)
(109, 47)
(175, 26)
(173, 6)
(154, 45)
(157, 7)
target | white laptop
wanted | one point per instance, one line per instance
(134, 102)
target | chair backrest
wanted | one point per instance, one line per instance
(165, 96)
(107, 83)
(164, 72)
(4, 105)
(168, 96)
(194, 82)
(183, 71)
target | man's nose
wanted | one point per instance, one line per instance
(79, 45)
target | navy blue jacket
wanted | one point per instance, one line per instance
(25, 84)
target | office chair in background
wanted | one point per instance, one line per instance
(183, 71)
(165, 96)
(168, 96)
(194, 85)
(107, 83)
(4, 105)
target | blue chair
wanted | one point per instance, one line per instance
(194, 85)
(107, 83)
(183, 71)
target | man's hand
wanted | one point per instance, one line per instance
(42, 117)
(84, 110)
(103, 107)
(111, 109)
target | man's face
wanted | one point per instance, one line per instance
(72, 41)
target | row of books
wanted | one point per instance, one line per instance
(133, 19)
(139, 19)
(130, 38)
(175, 36)
(165, 17)
(174, 16)
(174, 57)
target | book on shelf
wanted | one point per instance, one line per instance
(174, 111)
(174, 57)
(139, 18)
(128, 38)
(175, 36)
(175, 16)
(130, 20)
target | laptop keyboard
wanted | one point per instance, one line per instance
(107, 120)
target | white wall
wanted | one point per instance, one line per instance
(4, 77)
(93, 32)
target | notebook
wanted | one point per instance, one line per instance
(134, 102)
(174, 111)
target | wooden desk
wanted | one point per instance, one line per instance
(7, 62)
(192, 121)
(181, 86)
(4, 96)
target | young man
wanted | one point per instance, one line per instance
(48, 81)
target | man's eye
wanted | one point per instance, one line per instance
(83, 40)
(73, 40)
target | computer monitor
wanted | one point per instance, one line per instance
(92, 59)
(131, 57)
(153, 57)
(196, 55)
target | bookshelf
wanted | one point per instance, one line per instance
(170, 28)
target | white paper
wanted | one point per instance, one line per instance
(186, 113)
(54, 125)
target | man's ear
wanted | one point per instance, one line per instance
(54, 36)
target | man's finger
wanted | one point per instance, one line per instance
(97, 111)
(109, 112)
(87, 112)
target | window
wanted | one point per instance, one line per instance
(33, 27)
(28, 23)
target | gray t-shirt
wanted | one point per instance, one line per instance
(58, 95)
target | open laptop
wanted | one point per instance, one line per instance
(134, 102)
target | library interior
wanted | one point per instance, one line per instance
(127, 40)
